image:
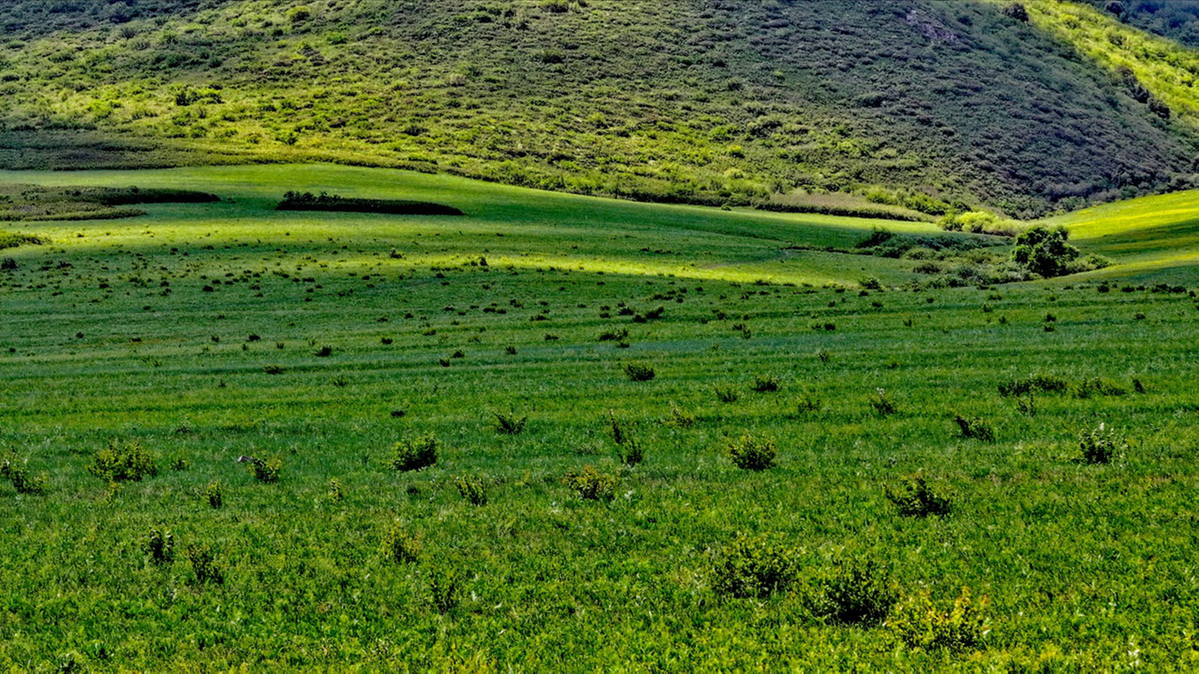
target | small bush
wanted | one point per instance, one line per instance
(19, 476)
(1037, 383)
(323, 352)
(679, 418)
(882, 405)
(590, 484)
(974, 428)
(750, 453)
(399, 546)
(629, 452)
(1097, 386)
(204, 565)
(726, 395)
(265, 470)
(509, 424)
(472, 489)
(122, 461)
(335, 494)
(753, 567)
(636, 372)
(917, 499)
(214, 495)
(1100, 446)
(857, 594)
(443, 589)
(1027, 407)
(921, 624)
(161, 546)
(765, 384)
(414, 453)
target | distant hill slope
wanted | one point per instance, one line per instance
(1176, 19)
(707, 101)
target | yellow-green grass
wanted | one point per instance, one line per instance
(1151, 237)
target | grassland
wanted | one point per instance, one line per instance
(671, 101)
(200, 331)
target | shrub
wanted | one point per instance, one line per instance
(18, 475)
(399, 546)
(336, 493)
(472, 490)
(881, 404)
(679, 418)
(161, 546)
(1097, 386)
(1037, 383)
(590, 484)
(765, 384)
(629, 452)
(975, 428)
(214, 495)
(509, 424)
(323, 352)
(265, 470)
(726, 395)
(1044, 251)
(204, 565)
(123, 460)
(414, 453)
(636, 372)
(443, 589)
(921, 624)
(753, 567)
(1100, 445)
(857, 594)
(750, 453)
(917, 499)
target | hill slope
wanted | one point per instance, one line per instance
(680, 100)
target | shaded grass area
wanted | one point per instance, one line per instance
(34, 203)
(307, 201)
(209, 332)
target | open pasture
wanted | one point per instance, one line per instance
(525, 338)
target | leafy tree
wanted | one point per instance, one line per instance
(1045, 251)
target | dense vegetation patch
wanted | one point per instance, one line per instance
(33, 203)
(307, 201)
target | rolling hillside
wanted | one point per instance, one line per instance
(923, 102)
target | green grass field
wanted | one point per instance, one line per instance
(200, 331)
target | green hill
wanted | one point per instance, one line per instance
(923, 103)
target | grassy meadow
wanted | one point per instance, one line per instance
(521, 337)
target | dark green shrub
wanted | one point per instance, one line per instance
(726, 395)
(509, 424)
(882, 405)
(399, 546)
(857, 594)
(753, 567)
(974, 428)
(1044, 251)
(1037, 383)
(414, 453)
(765, 384)
(750, 453)
(161, 546)
(336, 493)
(472, 489)
(636, 372)
(629, 452)
(265, 470)
(679, 418)
(590, 484)
(323, 352)
(204, 565)
(917, 499)
(214, 495)
(1097, 386)
(18, 475)
(1100, 445)
(444, 585)
(123, 460)
(921, 624)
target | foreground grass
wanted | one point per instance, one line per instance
(200, 332)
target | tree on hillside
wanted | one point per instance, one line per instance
(1045, 251)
